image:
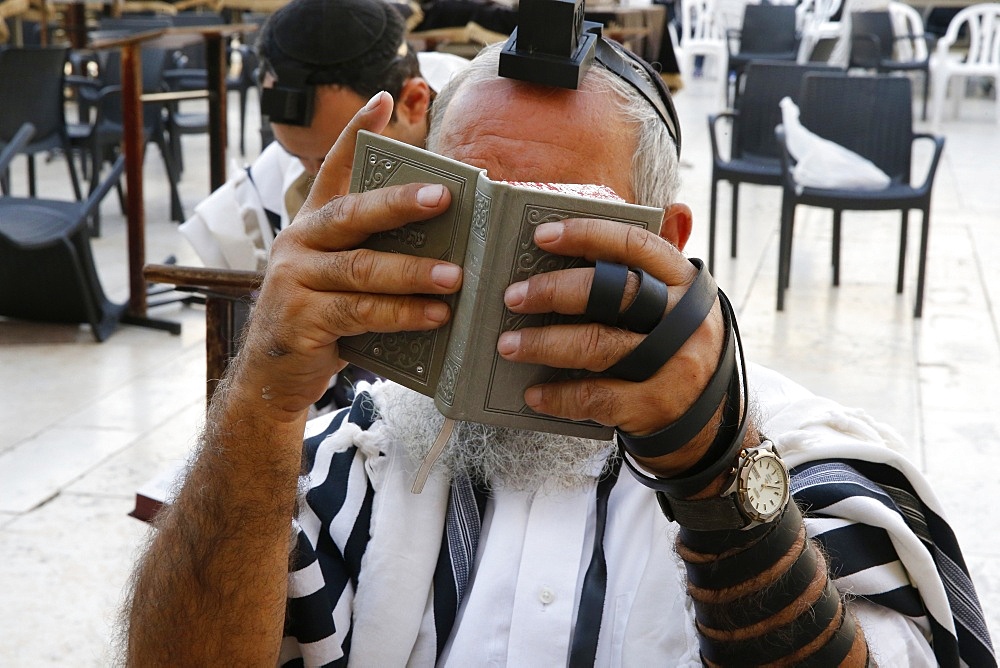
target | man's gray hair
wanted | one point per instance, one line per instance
(655, 173)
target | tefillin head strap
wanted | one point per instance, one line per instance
(553, 45)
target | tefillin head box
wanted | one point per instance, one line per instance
(551, 45)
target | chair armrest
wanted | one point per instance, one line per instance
(95, 198)
(713, 121)
(935, 159)
(16, 144)
(185, 79)
(80, 81)
(928, 39)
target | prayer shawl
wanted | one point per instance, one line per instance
(872, 511)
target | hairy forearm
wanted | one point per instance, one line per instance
(210, 589)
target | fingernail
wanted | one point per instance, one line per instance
(372, 103)
(436, 312)
(446, 275)
(533, 397)
(430, 195)
(548, 232)
(508, 343)
(515, 294)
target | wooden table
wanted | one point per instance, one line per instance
(132, 100)
(650, 19)
(227, 294)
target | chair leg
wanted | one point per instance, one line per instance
(927, 87)
(962, 84)
(941, 82)
(784, 248)
(733, 213)
(97, 159)
(243, 122)
(711, 226)
(176, 209)
(918, 309)
(31, 175)
(71, 165)
(176, 155)
(835, 259)
(901, 269)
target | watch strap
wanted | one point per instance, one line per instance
(714, 514)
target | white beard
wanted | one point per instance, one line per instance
(494, 457)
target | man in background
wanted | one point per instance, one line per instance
(321, 60)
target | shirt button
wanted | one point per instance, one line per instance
(546, 595)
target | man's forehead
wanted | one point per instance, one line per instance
(522, 131)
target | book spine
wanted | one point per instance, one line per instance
(448, 399)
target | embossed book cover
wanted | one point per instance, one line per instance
(489, 230)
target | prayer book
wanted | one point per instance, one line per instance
(489, 231)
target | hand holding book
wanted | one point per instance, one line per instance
(490, 230)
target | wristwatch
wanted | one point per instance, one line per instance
(759, 491)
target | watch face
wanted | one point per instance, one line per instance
(765, 486)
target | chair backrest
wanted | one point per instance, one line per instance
(154, 61)
(983, 25)
(872, 38)
(814, 21)
(765, 84)
(193, 55)
(31, 89)
(870, 115)
(908, 26)
(153, 65)
(16, 144)
(699, 21)
(768, 29)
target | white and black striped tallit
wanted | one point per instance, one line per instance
(865, 502)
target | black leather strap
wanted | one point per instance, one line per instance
(586, 631)
(780, 642)
(672, 331)
(837, 648)
(789, 587)
(722, 453)
(679, 433)
(606, 291)
(646, 310)
(751, 562)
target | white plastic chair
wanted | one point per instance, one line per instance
(907, 22)
(982, 23)
(702, 34)
(813, 18)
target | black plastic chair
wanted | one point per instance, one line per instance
(31, 90)
(873, 46)
(768, 33)
(872, 116)
(100, 140)
(188, 71)
(46, 266)
(754, 153)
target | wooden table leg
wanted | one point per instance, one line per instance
(135, 210)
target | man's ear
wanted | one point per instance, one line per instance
(414, 100)
(676, 226)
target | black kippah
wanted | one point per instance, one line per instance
(336, 41)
